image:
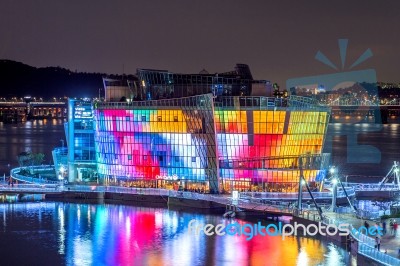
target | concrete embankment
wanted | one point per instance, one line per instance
(111, 197)
(195, 203)
(142, 199)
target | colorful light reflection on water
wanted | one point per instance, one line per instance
(88, 234)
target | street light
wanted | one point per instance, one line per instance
(333, 171)
(62, 171)
(8, 165)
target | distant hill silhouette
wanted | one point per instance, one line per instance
(19, 80)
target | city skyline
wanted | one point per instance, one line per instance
(278, 40)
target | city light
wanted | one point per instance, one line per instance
(332, 170)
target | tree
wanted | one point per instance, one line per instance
(37, 158)
(27, 158)
(24, 159)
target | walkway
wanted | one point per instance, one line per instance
(242, 204)
(390, 244)
(30, 189)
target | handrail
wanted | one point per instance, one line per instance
(31, 179)
(371, 186)
(31, 188)
(294, 195)
(375, 254)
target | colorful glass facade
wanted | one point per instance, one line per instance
(208, 143)
(169, 142)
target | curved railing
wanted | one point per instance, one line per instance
(31, 179)
(31, 188)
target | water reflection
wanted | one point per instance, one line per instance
(36, 135)
(353, 145)
(85, 234)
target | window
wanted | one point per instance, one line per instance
(160, 158)
(143, 118)
(176, 158)
(129, 157)
(127, 118)
(175, 119)
(193, 159)
(159, 118)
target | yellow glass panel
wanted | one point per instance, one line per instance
(256, 116)
(261, 128)
(244, 128)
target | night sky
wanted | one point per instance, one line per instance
(278, 39)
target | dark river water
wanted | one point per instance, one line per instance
(36, 136)
(364, 152)
(53, 233)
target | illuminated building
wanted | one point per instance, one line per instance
(80, 141)
(162, 84)
(214, 140)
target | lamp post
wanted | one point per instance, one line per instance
(4, 177)
(62, 173)
(101, 89)
(301, 183)
(333, 171)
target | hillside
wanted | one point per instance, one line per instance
(19, 80)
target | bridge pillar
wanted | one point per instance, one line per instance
(381, 115)
(334, 196)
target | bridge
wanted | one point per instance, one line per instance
(18, 111)
(365, 113)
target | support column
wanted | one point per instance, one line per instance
(300, 196)
(334, 196)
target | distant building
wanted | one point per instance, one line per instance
(117, 90)
(154, 84)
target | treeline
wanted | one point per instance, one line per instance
(19, 80)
